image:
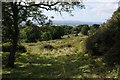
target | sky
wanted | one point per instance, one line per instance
(95, 11)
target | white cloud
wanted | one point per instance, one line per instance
(102, 10)
(98, 10)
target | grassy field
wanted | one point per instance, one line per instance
(65, 58)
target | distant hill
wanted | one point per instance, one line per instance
(69, 22)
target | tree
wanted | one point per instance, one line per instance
(93, 29)
(106, 41)
(96, 25)
(46, 36)
(84, 30)
(33, 34)
(77, 29)
(16, 12)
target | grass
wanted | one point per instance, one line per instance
(62, 61)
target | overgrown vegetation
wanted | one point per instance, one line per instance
(58, 51)
(63, 58)
(6, 47)
(34, 33)
(106, 41)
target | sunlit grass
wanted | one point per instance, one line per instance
(68, 59)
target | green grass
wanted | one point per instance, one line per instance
(61, 62)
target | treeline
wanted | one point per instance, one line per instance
(33, 33)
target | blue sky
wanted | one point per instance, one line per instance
(95, 11)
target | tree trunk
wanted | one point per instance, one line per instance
(15, 35)
(11, 58)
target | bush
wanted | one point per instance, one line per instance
(57, 32)
(85, 30)
(33, 35)
(77, 29)
(106, 41)
(92, 30)
(99, 43)
(30, 33)
(7, 46)
(46, 36)
(21, 48)
(112, 57)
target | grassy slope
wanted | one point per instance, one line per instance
(62, 61)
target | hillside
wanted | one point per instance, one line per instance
(60, 58)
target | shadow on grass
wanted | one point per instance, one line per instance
(41, 66)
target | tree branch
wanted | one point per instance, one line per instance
(39, 5)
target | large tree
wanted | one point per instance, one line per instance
(16, 12)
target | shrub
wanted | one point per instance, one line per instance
(85, 30)
(92, 31)
(46, 36)
(106, 41)
(21, 48)
(112, 57)
(101, 42)
(33, 34)
(7, 46)
(57, 32)
(77, 29)
(30, 33)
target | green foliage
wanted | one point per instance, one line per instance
(33, 34)
(30, 33)
(12, 10)
(47, 32)
(46, 36)
(7, 28)
(6, 36)
(96, 25)
(7, 46)
(112, 57)
(10, 27)
(57, 32)
(93, 29)
(67, 29)
(51, 32)
(78, 29)
(85, 30)
(55, 61)
(106, 41)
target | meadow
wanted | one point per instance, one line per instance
(61, 58)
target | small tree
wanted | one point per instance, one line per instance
(33, 34)
(85, 29)
(46, 36)
(77, 29)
